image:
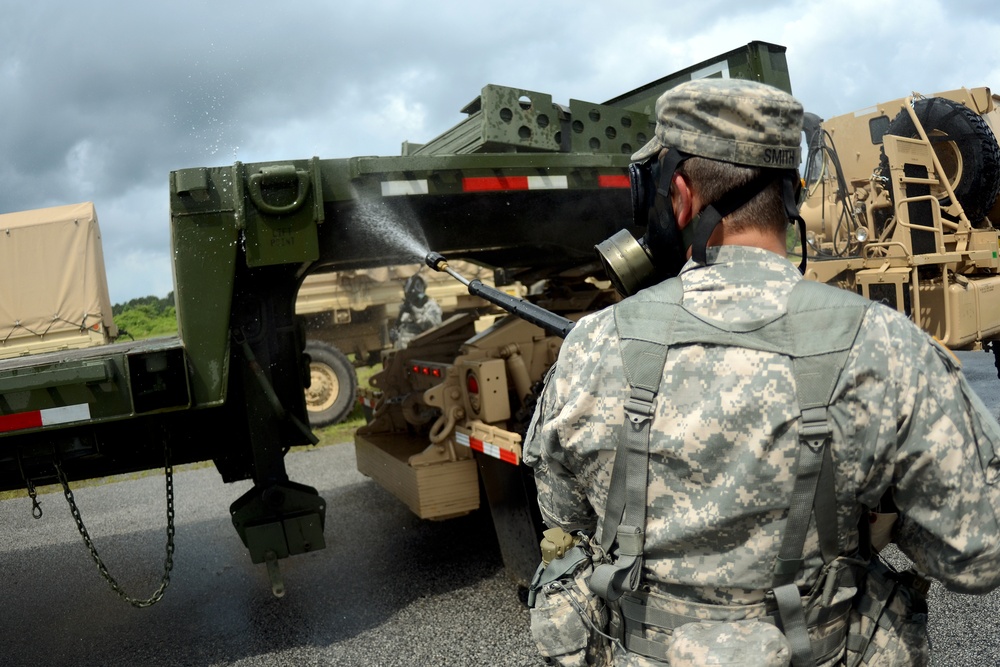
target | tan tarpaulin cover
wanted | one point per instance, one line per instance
(52, 273)
(383, 286)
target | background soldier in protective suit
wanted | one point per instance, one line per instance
(750, 489)
(418, 313)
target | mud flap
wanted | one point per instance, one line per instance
(512, 497)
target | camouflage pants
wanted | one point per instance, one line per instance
(567, 621)
(682, 632)
(889, 620)
(887, 626)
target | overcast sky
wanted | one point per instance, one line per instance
(99, 101)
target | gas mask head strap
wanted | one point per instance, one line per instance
(704, 224)
(668, 165)
(791, 182)
(661, 209)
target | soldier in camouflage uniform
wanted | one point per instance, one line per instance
(724, 433)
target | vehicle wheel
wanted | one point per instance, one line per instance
(965, 146)
(333, 385)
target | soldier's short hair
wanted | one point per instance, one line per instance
(765, 212)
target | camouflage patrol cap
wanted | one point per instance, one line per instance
(732, 120)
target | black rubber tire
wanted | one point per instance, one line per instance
(965, 133)
(333, 385)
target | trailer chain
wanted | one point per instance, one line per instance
(168, 563)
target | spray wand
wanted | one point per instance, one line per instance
(527, 311)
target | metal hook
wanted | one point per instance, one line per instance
(36, 507)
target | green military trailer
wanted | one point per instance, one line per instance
(522, 185)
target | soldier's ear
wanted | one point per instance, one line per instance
(683, 200)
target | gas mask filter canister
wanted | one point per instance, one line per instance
(633, 264)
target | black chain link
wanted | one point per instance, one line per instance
(168, 563)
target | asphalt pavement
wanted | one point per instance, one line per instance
(389, 589)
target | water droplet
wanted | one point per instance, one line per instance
(384, 227)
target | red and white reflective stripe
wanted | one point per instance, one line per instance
(367, 402)
(420, 186)
(613, 181)
(48, 417)
(485, 447)
(399, 188)
(491, 183)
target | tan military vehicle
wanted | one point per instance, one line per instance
(55, 293)
(350, 313)
(901, 203)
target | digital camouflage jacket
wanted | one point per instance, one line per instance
(725, 433)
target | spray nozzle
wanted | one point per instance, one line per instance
(436, 261)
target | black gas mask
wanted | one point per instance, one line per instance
(662, 251)
(632, 265)
(415, 291)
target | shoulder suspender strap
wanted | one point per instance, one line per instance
(644, 354)
(816, 377)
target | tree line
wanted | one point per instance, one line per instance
(146, 317)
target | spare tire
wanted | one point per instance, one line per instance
(965, 146)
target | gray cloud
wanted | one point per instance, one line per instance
(101, 100)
